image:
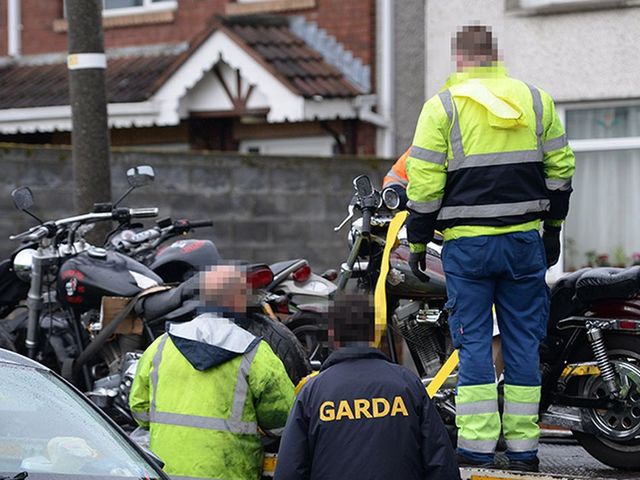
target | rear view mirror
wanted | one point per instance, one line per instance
(363, 186)
(22, 198)
(140, 176)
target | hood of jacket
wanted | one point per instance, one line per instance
(211, 339)
(471, 84)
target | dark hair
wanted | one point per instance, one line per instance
(475, 40)
(351, 318)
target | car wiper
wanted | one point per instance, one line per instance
(17, 476)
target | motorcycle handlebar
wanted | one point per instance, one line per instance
(201, 224)
(36, 233)
(366, 221)
(33, 234)
(143, 212)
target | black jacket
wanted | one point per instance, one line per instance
(364, 417)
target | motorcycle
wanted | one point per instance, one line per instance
(590, 359)
(296, 295)
(90, 311)
(174, 262)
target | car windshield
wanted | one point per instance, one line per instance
(49, 431)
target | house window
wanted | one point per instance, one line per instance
(602, 227)
(126, 7)
(123, 7)
(242, 7)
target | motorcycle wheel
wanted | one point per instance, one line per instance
(311, 331)
(622, 454)
(283, 343)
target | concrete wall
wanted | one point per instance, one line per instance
(264, 208)
(409, 69)
(575, 56)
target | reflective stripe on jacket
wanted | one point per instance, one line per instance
(203, 389)
(489, 155)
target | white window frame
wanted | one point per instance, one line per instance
(592, 145)
(147, 7)
(541, 7)
(535, 4)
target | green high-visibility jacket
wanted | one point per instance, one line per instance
(489, 156)
(203, 389)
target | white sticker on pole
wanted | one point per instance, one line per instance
(81, 61)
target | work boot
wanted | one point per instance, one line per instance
(464, 461)
(531, 465)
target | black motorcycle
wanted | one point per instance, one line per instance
(295, 296)
(590, 359)
(90, 311)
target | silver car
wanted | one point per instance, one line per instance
(49, 430)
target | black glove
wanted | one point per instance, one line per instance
(551, 241)
(418, 262)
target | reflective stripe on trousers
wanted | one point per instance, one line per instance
(520, 417)
(477, 417)
(233, 424)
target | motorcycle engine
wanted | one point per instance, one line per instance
(420, 327)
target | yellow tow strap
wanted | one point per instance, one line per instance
(380, 303)
(442, 374)
(380, 293)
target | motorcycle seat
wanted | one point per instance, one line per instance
(604, 283)
(563, 300)
(160, 304)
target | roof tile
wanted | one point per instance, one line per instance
(135, 78)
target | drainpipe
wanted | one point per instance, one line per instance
(14, 29)
(386, 77)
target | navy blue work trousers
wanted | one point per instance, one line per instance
(507, 271)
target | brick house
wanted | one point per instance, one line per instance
(266, 76)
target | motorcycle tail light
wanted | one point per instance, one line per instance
(259, 277)
(302, 274)
(628, 325)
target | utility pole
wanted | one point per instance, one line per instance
(88, 98)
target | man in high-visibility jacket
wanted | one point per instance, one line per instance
(204, 387)
(489, 163)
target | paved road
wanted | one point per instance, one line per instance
(566, 457)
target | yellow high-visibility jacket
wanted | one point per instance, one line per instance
(202, 390)
(489, 156)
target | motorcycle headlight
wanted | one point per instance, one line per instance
(22, 263)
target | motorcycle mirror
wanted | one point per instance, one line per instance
(363, 186)
(22, 198)
(140, 176)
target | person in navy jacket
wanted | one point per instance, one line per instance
(363, 417)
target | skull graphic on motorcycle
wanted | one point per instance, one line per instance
(71, 286)
(73, 289)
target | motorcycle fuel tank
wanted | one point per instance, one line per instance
(196, 253)
(403, 283)
(84, 279)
